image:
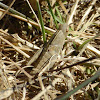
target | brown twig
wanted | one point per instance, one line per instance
(77, 63)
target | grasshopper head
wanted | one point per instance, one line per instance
(64, 28)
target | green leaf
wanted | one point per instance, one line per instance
(52, 13)
(87, 41)
(60, 21)
(67, 95)
(41, 22)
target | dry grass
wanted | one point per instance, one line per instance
(19, 41)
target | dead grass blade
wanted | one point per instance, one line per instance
(7, 9)
(6, 93)
(21, 69)
(20, 51)
(86, 14)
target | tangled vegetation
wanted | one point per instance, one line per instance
(26, 26)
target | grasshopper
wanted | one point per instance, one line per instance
(41, 58)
